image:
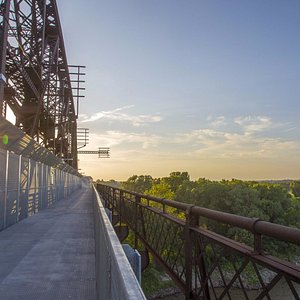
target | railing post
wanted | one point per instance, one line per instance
(257, 243)
(41, 185)
(19, 188)
(164, 206)
(6, 188)
(257, 239)
(188, 255)
(106, 196)
(137, 201)
(28, 188)
(192, 256)
(113, 201)
(121, 195)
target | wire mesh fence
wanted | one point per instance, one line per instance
(27, 186)
(15, 140)
(31, 177)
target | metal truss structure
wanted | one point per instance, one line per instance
(103, 152)
(35, 81)
(203, 263)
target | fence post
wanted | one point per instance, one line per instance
(113, 201)
(19, 188)
(28, 188)
(41, 185)
(192, 256)
(137, 201)
(257, 243)
(106, 192)
(6, 188)
(121, 199)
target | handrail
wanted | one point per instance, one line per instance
(255, 225)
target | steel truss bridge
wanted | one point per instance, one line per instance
(38, 168)
(35, 82)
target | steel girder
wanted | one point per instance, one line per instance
(35, 81)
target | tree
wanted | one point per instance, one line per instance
(295, 188)
(161, 190)
(138, 184)
(176, 179)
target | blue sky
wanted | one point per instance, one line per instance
(208, 87)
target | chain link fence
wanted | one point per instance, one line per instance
(15, 140)
(31, 177)
(27, 186)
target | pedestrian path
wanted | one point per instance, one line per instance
(51, 255)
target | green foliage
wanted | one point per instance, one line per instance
(161, 190)
(176, 179)
(152, 281)
(295, 188)
(269, 201)
(138, 184)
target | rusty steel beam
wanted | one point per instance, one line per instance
(4, 17)
(38, 88)
(281, 232)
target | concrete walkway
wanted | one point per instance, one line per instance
(51, 255)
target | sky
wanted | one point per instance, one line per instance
(204, 86)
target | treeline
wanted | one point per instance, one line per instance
(273, 202)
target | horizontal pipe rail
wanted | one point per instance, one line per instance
(255, 225)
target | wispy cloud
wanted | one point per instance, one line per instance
(217, 122)
(253, 124)
(114, 138)
(119, 115)
(214, 143)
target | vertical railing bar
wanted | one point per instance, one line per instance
(28, 187)
(35, 186)
(42, 184)
(120, 206)
(137, 201)
(6, 188)
(19, 188)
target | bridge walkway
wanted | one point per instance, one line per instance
(51, 255)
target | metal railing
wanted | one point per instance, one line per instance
(31, 177)
(27, 186)
(15, 140)
(114, 275)
(203, 263)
